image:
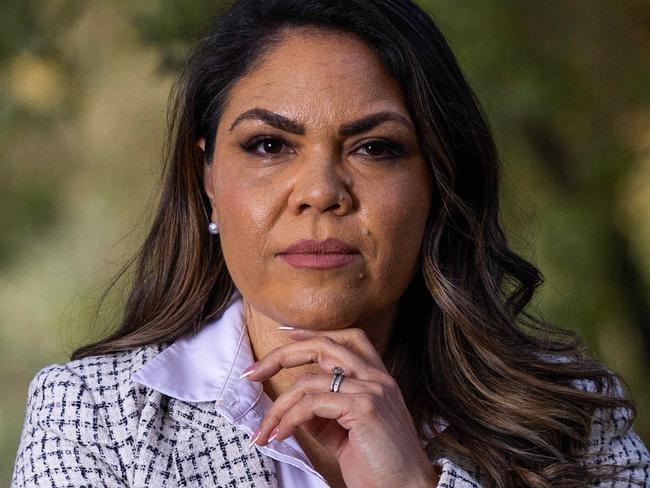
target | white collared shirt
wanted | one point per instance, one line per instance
(206, 367)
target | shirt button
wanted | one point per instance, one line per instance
(228, 400)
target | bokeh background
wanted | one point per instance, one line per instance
(83, 93)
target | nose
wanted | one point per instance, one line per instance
(320, 184)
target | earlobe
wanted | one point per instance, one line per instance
(201, 143)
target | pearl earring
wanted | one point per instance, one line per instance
(213, 228)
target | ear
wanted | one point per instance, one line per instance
(207, 173)
(207, 182)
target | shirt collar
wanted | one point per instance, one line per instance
(206, 366)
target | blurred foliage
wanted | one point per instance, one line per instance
(173, 27)
(83, 91)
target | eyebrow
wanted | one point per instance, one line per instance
(350, 128)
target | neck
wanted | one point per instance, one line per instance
(264, 337)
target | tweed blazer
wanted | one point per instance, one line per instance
(88, 424)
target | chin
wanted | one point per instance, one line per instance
(316, 311)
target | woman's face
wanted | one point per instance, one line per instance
(299, 155)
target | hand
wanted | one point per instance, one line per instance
(366, 425)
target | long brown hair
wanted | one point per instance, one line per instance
(467, 349)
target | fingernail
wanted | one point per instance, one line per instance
(286, 327)
(248, 370)
(253, 439)
(274, 433)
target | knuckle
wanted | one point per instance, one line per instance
(317, 398)
(381, 392)
(273, 418)
(368, 404)
(391, 383)
(360, 334)
(384, 392)
(377, 390)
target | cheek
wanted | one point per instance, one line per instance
(399, 214)
(245, 205)
(246, 219)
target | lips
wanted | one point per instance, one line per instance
(320, 255)
(328, 246)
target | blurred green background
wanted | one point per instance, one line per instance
(83, 91)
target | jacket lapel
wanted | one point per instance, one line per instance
(211, 452)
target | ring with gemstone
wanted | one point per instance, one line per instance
(338, 378)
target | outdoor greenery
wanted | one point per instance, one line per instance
(83, 92)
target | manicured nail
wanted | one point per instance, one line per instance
(249, 370)
(274, 433)
(286, 327)
(253, 439)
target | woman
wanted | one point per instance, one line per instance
(329, 170)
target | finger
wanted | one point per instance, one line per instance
(312, 383)
(345, 408)
(323, 351)
(353, 337)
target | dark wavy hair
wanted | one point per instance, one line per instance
(467, 349)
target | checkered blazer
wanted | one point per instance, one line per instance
(88, 425)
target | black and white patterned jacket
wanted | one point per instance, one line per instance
(89, 425)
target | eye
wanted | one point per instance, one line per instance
(382, 149)
(272, 145)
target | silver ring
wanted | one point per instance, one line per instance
(338, 378)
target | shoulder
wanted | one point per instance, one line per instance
(80, 399)
(612, 439)
(613, 388)
(612, 425)
(618, 418)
